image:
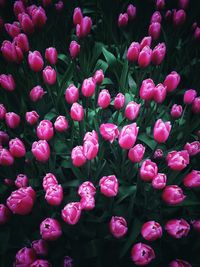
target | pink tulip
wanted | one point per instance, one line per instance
(49, 180)
(148, 170)
(131, 11)
(142, 254)
(78, 157)
(26, 23)
(61, 124)
(109, 131)
(128, 136)
(161, 131)
(177, 228)
(4, 214)
(159, 93)
(6, 159)
(39, 263)
(192, 179)
(41, 150)
(179, 263)
(12, 29)
(49, 75)
(51, 55)
(7, 82)
(136, 153)
(71, 94)
(109, 185)
(98, 77)
(173, 194)
(90, 149)
(35, 61)
(50, 229)
(77, 112)
(68, 262)
(154, 30)
(22, 200)
(54, 195)
(91, 136)
(104, 99)
(176, 111)
(87, 202)
(11, 52)
(77, 16)
(2, 112)
(36, 93)
(39, 17)
(18, 8)
(40, 247)
(132, 110)
(158, 54)
(86, 188)
(4, 138)
(45, 130)
(179, 17)
(160, 4)
(21, 41)
(189, 96)
(159, 181)
(144, 57)
(178, 160)
(21, 181)
(147, 89)
(84, 28)
(196, 225)
(119, 101)
(88, 87)
(74, 49)
(32, 117)
(133, 52)
(71, 213)
(151, 231)
(197, 34)
(30, 9)
(25, 257)
(193, 148)
(122, 19)
(12, 120)
(156, 17)
(17, 148)
(196, 105)
(118, 226)
(146, 41)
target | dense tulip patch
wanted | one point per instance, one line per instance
(99, 133)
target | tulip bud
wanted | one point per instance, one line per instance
(87, 202)
(41, 150)
(6, 159)
(156, 17)
(197, 34)
(77, 16)
(173, 195)
(104, 99)
(159, 93)
(144, 57)
(146, 41)
(160, 4)
(74, 49)
(30, 9)
(21, 181)
(18, 8)
(77, 112)
(118, 226)
(109, 131)
(109, 185)
(158, 54)
(40, 247)
(4, 214)
(147, 89)
(21, 41)
(90, 149)
(25, 257)
(133, 52)
(26, 23)
(61, 124)
(142, 254)
(12, 29)
(161, 131)
(2, 112)
(192, 148)
(189, 96)
(59, 6)
(77, 156)
(131, 11)
(35, 61)
(196, 225)
(158, 154)
(128, 136)
(178, 160)
(192, 179)
(91, 136)
(11, 52)
(154, 30)
(51, 55)
(41, 263)
(7, 82)
(132, 110)
(36, 93)
(148, 170)
(86, 188)
(172, 81)
(88, 87)
(196, 105)
(136, 153)
(50, 229)
(159, 181)
(68, 262)
(71, 213)
(45, 130)
(12, 120)
(54, 195)
(71, 94)
(49, 180)
(176, 111)
(177, 228)
(84, 28)
(32, 117)
(39, 17)
(151, 231)
(122, 19)
(4, 138)
(179, 263)
(17, 148)
(98, 76)
(49, 75)
(119, 101)
(179, 17)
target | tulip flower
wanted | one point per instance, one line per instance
(39, 17)
(40, 247)
(90, 149)
(146, 41)
(77, 112)
(21, 181)
(161, 131)
(148, 170)
(88, 87)
(6, 158)
(78, 157)
(2, 112)
(123, 19)
(109, 131)
(159, 181)
(132, 110)
(147, 89)
(179, 17)
(26, 23)
(84, 28)
(196, 105)
(179, 263)
(160, 4)
(71, 94)
(158, 54)
(51, 55)
(86, 188)
(39, 263)
(177, 228)
(74, 49)
(68, 262)
(109, 185)
(77, 16)
(18, 8)
(156, 17)
(11, 52)
(87, 202)
(178, 160)
(189, 96)
(193, 148)
(151, 231)
(104, 99)
(196, 225)
(142, 254)
(12, 29)
(136, 153)
(17, 148)
(71, 213)
(45, 130)
(159, 93)
(5, 214)
(36, 93)
(173, 194)
(98, 77)
(49, 180)
(118, 226)
(192, 179)
(54, 195)
(50, 229)
(59, 5)
(131, 11)
(172, 81)
(154, 30)
(35, 61)
(12, 120)
(119, 101)
(61, 124)
(32, 117)
(25, 257)
(176, 111)
(41, 150)
(144, 57)
(133, 52)
(49, 75)
(4, 138)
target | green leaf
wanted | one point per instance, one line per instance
(110, 58)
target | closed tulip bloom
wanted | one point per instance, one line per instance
(87, 202)
(158, 154)
(98, 76)
(26, 23)
(196, 225)
(39, 17)
(84, 28)
(159, 93)
(122, 19)
(21, 41)
(160, 4)
(21, 181)
(193, 148)
(6, 159)
(51, 55)
(2, 112)
(12, 29)
(35, 61)
(71, 213)
(91, 136)
(142, 254)
(68, 262)
(40, 247)
(59, 6)
(74, 49)
(50, 229)
(131, 11)
(86, 188)
(196, 105)
(12, 120)
(90, 149)
(189, 96)
(158, 54)
(7, 82)
(49, 75)
(147, 89)
(119, 101)
(4, 214)
(11, 52)
(151, 231)
(77, 156)
(178, 160)
(132, 110)
(154, 30)
(36, 93)
(118, 226)
(32, 117)
(45, 130)
(41, 150)
(179, 17)
(71, 94)
(177, 228)
(179, 263)
(176, 111)
(192, 179)
(21, 201)
(17, 148)
(146, 41)
(159, 181)
(156, 17)
(61, 124)
(136, 153)
(18, 8)
(144, 57)
(173, 195)
(197, 34)
(148, 170)
(104, 99)
(49, 180)
(88, 87)
(25, 256)
(171, 81)
(168, 15)
(128, 136)
(4, 138)
(77, 112)
(133, 52)
(161, 131)
(77, 16)
(54, 195)
(41, 263)
(109, 185)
